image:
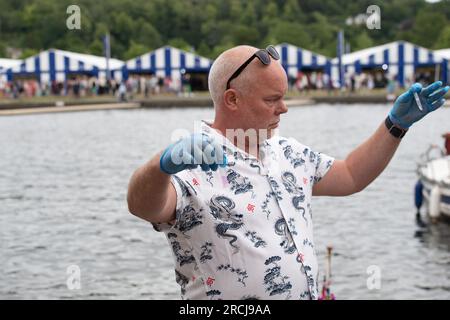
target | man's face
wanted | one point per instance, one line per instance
(263, 103)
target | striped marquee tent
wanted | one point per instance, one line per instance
(444, 54)
(400, 57)
(54, 64)
(6, 64)
(167, 61)
(295, 59)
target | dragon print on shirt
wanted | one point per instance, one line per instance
(212, 293)
(185, 191)
(292, 226)
(221, 208)
(241, 274)
(311, 281)
(188, 218)
(239, 184)
(210, 177)
(290, 183)
(256, 240)
(312, 157)
(182, 256)
(182, 280)
(295, 158)
(245, 230)
(256, 164)
(274, 193)
(274, 282)
(305, 295)
(281, 229)
(206, 252)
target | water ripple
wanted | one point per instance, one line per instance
(63, 203)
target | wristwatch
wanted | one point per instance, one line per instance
(395, 130)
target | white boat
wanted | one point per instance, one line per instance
(433, 186)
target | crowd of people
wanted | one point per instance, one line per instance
(150, 85)
(79, 87)
(306, 81)
(85, 86)
(322, 81)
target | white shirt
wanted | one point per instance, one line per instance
(245, 231)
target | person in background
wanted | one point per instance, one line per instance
(122, 92)
(390, 88)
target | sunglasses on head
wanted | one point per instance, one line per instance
(262, 54)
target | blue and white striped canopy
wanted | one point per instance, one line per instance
(401, 58)
(444, 54)
(8, 63)
(167, 61)
(5, 64)
(295, 59)
(57, 65)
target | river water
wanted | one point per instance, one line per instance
(63, 212)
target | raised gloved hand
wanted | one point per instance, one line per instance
(192, 151)
(406, 110)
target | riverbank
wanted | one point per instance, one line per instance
(33, 107)
(70, 104)
(73, 108)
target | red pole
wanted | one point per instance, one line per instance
(446, 136)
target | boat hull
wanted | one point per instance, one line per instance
(435, 178)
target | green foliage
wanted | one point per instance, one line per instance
(28, 53)
(2, 49)
(427, 26)
(290, 32)
(362, 41)
(443, 40)
(135, 49)
(211, 26)
(180, 43)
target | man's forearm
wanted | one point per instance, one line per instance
(148, 189)
(369, 159)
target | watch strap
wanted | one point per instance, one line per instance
(393, 129)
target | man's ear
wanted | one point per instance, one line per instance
(231, 99)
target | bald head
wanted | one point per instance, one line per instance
(255, 97)
(222, 69)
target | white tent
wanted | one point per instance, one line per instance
(5, 64)
(443, 53)
(8, 63)
(399, 58)
(54, 64)
(295, 59)
(167, 61)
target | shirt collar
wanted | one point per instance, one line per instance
(230, 147)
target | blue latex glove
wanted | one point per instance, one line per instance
(406, 110)
(192, 151)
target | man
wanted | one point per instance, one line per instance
(237, 210)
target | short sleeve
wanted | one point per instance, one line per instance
(322, 163)
(183, 194)
(319, 162)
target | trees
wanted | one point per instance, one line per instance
(443, 41)
(427, 26)
(211, 26)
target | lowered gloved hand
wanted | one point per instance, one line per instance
(192, 151)
(406, 110)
